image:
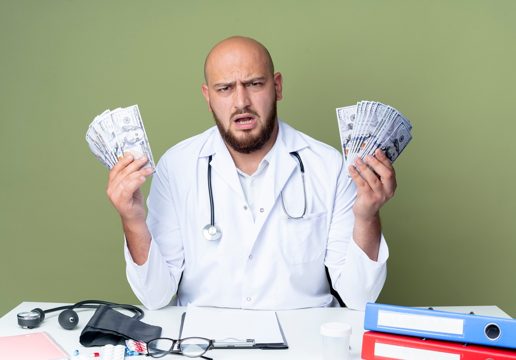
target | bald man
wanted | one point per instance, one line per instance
(250, 213)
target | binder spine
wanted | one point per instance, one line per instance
(383, 346)
(441, 325)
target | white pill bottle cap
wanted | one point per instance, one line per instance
(335, 329)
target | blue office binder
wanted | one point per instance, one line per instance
(441, 325)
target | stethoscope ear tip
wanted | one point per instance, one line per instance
(211, 232)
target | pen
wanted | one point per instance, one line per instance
(235, 343)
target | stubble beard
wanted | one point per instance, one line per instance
(248, 143)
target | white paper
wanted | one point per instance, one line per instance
(232, 325)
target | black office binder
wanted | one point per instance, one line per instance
(236, 342)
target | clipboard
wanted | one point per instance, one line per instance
(266, 333)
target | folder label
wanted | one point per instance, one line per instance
(406, 353)
(417, 322)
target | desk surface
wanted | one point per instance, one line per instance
(301, 328)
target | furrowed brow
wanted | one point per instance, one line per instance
(259, 78)
(224, 84)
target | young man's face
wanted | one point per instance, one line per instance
(241, 92)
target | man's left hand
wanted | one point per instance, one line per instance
(376, 183)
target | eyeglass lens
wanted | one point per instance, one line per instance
(160, 347)
(190, 347)
(194, 347)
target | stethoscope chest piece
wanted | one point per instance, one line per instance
(30, 319)
(211, 232)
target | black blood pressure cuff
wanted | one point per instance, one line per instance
(108, 326)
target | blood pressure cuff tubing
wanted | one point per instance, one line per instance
(108, 326)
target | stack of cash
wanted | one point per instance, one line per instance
(113, 133)
(370, 125)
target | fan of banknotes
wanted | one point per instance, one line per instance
(115, 132)
(370, 125)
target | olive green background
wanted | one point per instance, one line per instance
(447, 65)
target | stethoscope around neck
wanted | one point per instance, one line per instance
(212, 232)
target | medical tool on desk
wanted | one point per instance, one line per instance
(68, 318)
(212, 232)
(106, 325)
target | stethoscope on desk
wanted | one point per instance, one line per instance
(212, 232)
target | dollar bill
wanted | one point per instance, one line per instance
(370, 129)
(370, 125)
(385, 117)
(114, 133)
(396, 142)
(346, 121)
(130, 133)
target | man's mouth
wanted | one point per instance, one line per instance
(245, 121)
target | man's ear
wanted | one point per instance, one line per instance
(206, 94)
(278, 85)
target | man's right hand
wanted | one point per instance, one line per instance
(123, 190)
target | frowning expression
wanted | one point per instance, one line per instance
(241, 90)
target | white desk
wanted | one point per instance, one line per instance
(301, 328)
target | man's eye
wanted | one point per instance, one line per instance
(256, 83)
(223, 89)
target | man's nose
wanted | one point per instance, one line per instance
(242, 99)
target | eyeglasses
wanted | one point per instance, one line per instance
(190, 347)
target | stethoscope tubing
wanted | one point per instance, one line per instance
(302, 169)
(212, 232)
(93, 304)
(210, 192)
